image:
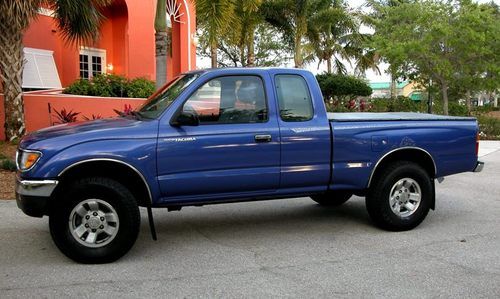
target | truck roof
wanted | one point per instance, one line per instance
(243, 70)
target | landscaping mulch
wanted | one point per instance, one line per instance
(7, 178)
(7, 184)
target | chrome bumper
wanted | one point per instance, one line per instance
(40, 188)
(479, 166)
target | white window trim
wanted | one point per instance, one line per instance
(46, 12)
(89, 51)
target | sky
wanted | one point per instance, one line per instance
(203, 62)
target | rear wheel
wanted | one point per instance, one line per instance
(400, 197)
(332, 198)
(94, 220)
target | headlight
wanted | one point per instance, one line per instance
(26, 159)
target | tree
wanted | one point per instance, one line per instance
(447, 42)
(215, 18)
(247, 20)
(267, 47)
(162, 42)
(78, 22)
(334, 35)
(479, 61)
(291, 18)
(341, 88)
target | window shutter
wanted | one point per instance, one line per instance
(40, 69)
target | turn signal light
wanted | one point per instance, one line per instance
(27, 159)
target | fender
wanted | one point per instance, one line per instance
(395, 150)
(137, 154)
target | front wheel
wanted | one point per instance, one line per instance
(400, 197)
(94, 220)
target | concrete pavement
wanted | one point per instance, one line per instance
(284, 248)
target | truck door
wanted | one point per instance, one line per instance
(305, 134)
(235, 149)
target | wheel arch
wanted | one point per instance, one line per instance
(413, 154)
(121, 171)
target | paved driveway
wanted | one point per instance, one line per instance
(285, 248)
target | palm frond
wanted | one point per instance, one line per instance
(18, 13)
(79, 21)
(215, 17)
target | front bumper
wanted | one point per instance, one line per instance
(479, 166)
(32, 196)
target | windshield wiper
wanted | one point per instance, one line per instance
(140, 115)
(137, 114)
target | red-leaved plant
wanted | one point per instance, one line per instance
(127, 110)
(93, 117)
(64, 116)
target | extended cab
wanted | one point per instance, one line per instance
(228, 135)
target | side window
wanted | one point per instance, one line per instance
(294, 100)
(232, 99)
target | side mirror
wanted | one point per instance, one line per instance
(186, 118)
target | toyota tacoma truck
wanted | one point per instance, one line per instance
(233, 135)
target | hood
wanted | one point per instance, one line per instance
(65, 135)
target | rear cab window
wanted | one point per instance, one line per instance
(294, 99)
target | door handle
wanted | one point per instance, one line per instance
(263, 138)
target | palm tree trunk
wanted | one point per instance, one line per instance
(297, 55)
(161, 42)
(213, 54)
(251, 48)
(11, 68)
(242, 55)
(299, 33)
(329, 65)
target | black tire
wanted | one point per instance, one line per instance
(378, 202)
(332, 198)
(109, 193)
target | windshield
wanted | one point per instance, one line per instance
(159, 101)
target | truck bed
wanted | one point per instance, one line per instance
(391, 116)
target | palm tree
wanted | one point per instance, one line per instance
(162, 41)
(215, 18)
(78, 22)
(334, 37)
(291, 18)
(249, 18)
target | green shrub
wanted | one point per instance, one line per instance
(104, 85)
(400, 104)
(109, 85)
(456, 109)
(336, 107)
(80, 87)
(342, 87)
(489, 127)
(379, 104)
(8, 164)
(140, 88)
(484, 109)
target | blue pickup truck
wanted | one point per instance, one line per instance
(232, 135)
